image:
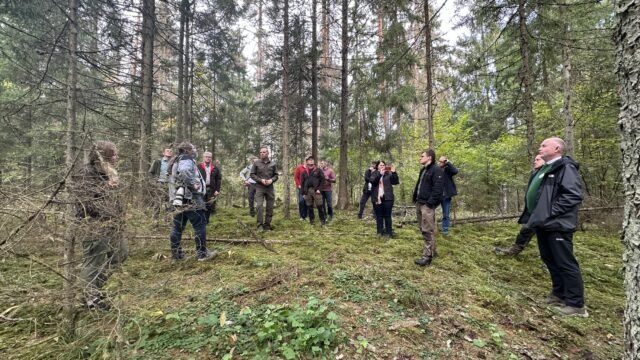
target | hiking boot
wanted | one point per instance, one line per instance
(510, 251)
(424, 261)
(98, 303)
(210, 255)
(268, 227)
(571, 311)
(552, 299)
(360, 216)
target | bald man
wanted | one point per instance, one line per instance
(553, 198)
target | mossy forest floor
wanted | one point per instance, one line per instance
(337, 292)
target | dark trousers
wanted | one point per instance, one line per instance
(556, 251)
(302, 206)
(264, 193)
(363, 201)
(524, 237)
(197, 218)
(252, 197)
(327, 203)
(383, 217)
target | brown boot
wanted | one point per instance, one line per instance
(510, 251)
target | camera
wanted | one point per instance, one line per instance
(179, 199)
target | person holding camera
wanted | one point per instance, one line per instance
(186, 191)
(382, 180)
(449, 191)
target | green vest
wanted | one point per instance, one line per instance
(532, 191)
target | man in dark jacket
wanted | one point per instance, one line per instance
(366, 190)
(312, 180)
(264, 174)
(552, 202)
(525, 235)
(449, 191)
(427, 196)
(213, 179)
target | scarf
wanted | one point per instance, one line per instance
(380, 190)
(208, 170)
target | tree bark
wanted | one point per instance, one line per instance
(314, 80)
(148, 35)
(343, 185)
(628, 67)
(186, 113)
(382, 87)
(569, 124)
(72, 127)
(428, 68)
(180, 123)
(526, 78)
(285, 110)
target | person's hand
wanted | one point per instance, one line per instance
(196, 186)
(216, 193)
(393, 168)
(317, 191)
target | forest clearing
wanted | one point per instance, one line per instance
(365, 293)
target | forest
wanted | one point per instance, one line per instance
(482, 82)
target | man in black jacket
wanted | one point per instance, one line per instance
(552, 202)
(427, 196)
(312, 180)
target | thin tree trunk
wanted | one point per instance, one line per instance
(628, 66)
(186, 73)
(260, 65)
(526, 78)
(148, 35)
(428, 68)
(382, 87)
(285, 110)
(343, 185)
(314, 80)
(567, 86)
(325, 70)
(180, 123)
(72, 127)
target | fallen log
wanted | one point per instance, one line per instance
(229, 241)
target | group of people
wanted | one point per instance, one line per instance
(314, 190)
(551, 206)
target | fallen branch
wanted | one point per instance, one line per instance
(478, 219)
(229, 241)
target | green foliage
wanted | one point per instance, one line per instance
(222, 328)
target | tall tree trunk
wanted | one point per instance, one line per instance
(186, 73)
(382, 87)
(148, 35)
(325, 70)
(260, 65)
(526, 78)
(314, 79)
(628, 66)
(343, 184)
(72, 149)
(285, 110)
(566, 85)
(428, 68)
(180, 123)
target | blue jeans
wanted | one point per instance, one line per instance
(302, 206)
(327, 203)
(446, 208)
(198, 220)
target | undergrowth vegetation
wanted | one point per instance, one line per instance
(336, 293)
